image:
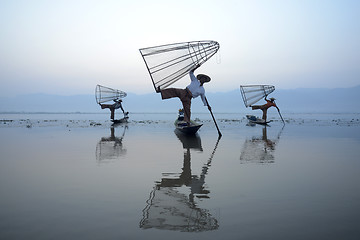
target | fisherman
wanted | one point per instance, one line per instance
(265, 107)
(114, 106)
(193, 90)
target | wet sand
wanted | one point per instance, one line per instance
(77, 177)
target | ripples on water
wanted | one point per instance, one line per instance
(76, 177)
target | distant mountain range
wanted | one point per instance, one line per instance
(337, 100)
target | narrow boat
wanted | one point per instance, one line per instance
(183, 127)
(254, 119)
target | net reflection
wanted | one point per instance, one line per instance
(260, 149)
(170, 207)
(110, 148)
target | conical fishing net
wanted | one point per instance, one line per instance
(106, 94)
(253, 93)
(169, 63)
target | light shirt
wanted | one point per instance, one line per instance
(117, 105)
(195, 88)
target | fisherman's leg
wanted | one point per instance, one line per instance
(264, 113)
(185, 97)
(171, 93)
(187, 109)
(103, 106)
(112, 116)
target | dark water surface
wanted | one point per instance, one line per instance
(77, 179)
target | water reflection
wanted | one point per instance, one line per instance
(170, 207)
(260, 149)
(110, 148)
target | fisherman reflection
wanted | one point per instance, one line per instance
(110, 148)
(260, 149)
(169, 207)
(186, 178)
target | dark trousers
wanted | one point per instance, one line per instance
(112, 109)
(185, 97)
(263, 108)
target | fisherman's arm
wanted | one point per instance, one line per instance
(276, 107)
(203, 98)
(192, 76)
(196, 67)
(191, 73)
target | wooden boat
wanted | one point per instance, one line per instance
(254, 119)
(121, 120)
(183, 127)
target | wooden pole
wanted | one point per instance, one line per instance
(281, 116)
(212, 115)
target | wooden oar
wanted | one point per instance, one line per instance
(212, 115)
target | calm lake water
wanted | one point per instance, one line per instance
(76, 177)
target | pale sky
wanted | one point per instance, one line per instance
(67, 47)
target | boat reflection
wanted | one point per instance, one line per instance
(172, 202)
(260, 149)
(189, 141)
(111, 148)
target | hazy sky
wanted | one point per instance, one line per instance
(67, 47)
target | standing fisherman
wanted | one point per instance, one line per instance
(193, 90)
(114, 106)
(265, 107)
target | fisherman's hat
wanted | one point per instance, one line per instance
(272, 99)
(205, 78)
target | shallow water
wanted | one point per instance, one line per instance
(76, 177)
